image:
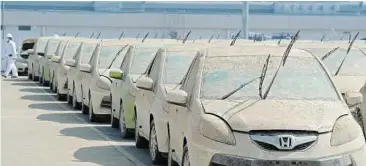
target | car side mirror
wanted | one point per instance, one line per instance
(177, 97)
(116, 74)
(145, 83)
(30, 51)
(353, 98)
(56, 59)
(50, 56)
(70, 62)
(85, 68)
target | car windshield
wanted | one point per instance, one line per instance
(354, 65)
(302, 78)
(142, 58)
(107, 53)
(71, 50)
(52, 46)
(88, 52)
(176, 66)
(41, 45)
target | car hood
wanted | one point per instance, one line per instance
(349, 83)
(251, 115)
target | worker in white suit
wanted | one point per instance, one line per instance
(11, 52)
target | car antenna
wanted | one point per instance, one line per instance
(64, 34)
(185, 38)
(209, 41)
(323, 37)
(349, 37)
(234, 39)
(98, 35)
(91, 35)
(218, 36)
(138, 35)
(282, 63)
(329, 53)
(121, 36)
(77, 34)
(342, 37)
(143, 40)
(348, 50)
(156, 35)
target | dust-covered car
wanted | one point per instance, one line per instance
(74, 75)
(349, 73)
(96, 84)
(21, 62)
(35, 56)
(261, 106)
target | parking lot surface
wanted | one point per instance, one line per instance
(38, 130)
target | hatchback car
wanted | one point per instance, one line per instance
(255, 106)
(35, 56)
(74, 74)
(21, 62)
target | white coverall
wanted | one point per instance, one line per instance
(11, 49)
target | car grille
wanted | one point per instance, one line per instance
(272, 147)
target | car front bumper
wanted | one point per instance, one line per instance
(101, 101)
(21, 67)
(246, 152)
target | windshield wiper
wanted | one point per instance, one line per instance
(237, 89)
(329, 53)
(263, 75)
(282, 63)
(345, 56)
(115, 57)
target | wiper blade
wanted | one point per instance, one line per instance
(329, 53)
(345, 56)
(263, 75)
(282, 63)
(237, 89)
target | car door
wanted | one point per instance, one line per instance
(178, 115)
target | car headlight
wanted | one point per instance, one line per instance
(216, 129)
(345, 130)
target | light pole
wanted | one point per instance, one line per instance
(245, 18)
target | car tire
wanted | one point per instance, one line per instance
(155, 155)
(170, 161)
(84, 109)
(123, 130)
(140, 142)
(75, 103)
(30, 77)
(69, 99)
(60, 97)
(185, 157)
(92, 116)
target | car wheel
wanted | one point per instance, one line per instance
(185, 159)
(92, 116)
(171, 162)
(114, 121)
(75, 103)
(60, 97)
(155, 155)
(69, 99)
(140, 142)
(124, 132)
(30, 77)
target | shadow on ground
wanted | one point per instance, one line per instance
(47, 106)
(60, 118)
(39, 97)
(102, 155)
(36, 90)
(88, 134)
(24, 84)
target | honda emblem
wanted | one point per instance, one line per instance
(286, 142)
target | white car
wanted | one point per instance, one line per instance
(164, 73)
(54, 64)
(70, 50)
(26, 49)
(244, 107)
(95, 83)
(123, 83)
(74, 74)
(34, 58)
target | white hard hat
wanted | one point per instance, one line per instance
(8, 35)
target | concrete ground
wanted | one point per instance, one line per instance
(38, 130)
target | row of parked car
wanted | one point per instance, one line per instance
(217, 103)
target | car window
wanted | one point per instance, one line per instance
(107, 53)
(302, 78)
(88, 52)
(41, 45)
(176, 66)
(71, 49)
(354, 65)
(52, 46)
(141, 59)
